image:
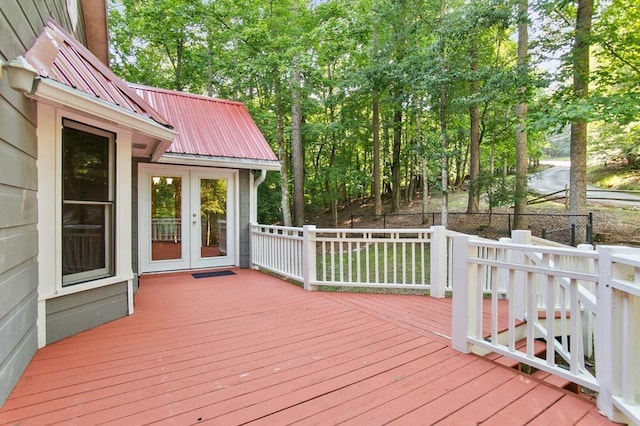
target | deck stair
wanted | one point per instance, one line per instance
(540, 352)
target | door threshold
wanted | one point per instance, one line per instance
(189, 271)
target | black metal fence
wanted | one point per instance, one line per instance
(563, 228)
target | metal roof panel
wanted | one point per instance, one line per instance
(58, 56)
(208, 126)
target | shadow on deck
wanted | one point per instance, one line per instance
(252, 348)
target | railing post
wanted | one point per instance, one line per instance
(519, 236)
(309, 257)
(438, 262)
(605, 351)
(464, 297)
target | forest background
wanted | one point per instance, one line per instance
(388, 99)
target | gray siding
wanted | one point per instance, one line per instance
(21, 21)
(24, 20)
(245, 203)
(68, 315)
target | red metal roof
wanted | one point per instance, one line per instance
(208, 126)
(58, 56)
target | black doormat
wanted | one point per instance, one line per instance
(212, 274)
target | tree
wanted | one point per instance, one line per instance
(580, 61)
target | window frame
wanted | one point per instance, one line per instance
(109, 269)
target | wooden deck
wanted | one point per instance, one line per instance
(251, 348)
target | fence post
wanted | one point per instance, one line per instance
(464, 297)
(604, 332)
(438, 262)
(519, 236)
(309, 257)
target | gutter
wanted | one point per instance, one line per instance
(254, 196)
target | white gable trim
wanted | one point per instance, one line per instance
(223, 162)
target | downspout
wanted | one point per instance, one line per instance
(253, 211)
(254, 196)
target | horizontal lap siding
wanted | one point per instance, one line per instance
(21, 21)
(244, 203)
(68, 315)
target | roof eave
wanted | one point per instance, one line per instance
(225, 162)
(50, 91)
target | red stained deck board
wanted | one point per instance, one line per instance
(255, 354)
(527, 407)
(567, 411)
(239, 396)
(171, 374)
(178, 352)
(432, 390)
(492, 399)
(368, 394)
(252, 347)
(462, 396)
(336, 390)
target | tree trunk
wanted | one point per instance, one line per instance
(520, 201)
(377, 175)
(444, 169)
(580, 57)
(474, 136)
(297, 156)
(395, 166)
(282, 155)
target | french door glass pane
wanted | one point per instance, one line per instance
(213, 217)
(166, 217)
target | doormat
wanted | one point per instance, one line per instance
(212, 274)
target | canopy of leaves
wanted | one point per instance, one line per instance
(401, 50)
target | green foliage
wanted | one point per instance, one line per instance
(347, 50)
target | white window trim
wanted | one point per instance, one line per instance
(49, 164)
(92, 275)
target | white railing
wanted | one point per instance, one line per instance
(278, 249)
(525, 289)
(369, 258)
(541, 290)
(166, 229)
(618, 327)
(572, 299)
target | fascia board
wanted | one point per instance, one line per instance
(223, 162)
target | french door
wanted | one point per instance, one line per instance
(186, 218)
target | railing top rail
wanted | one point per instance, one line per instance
(285, 228)
(374, 230)
(627, 259)
(542, 270)
(567, 251)
(543, 242)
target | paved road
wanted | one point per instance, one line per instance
(555, 178)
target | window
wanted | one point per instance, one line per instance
(88, 178)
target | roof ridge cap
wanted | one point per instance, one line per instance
(184, 94)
